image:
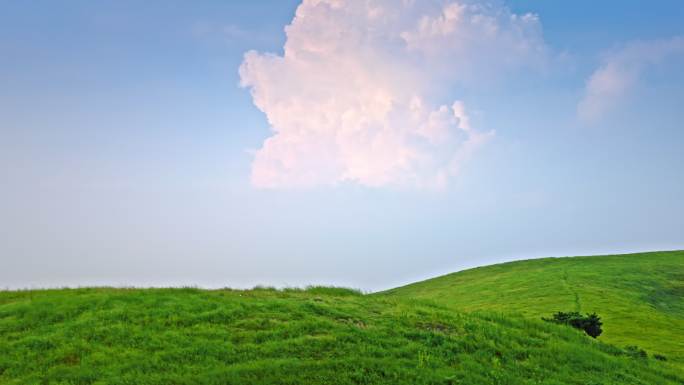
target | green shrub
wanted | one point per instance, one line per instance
(591, 323)
(660, 357)
(635, 352)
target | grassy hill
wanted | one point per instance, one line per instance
(640, 297)
(339, 336)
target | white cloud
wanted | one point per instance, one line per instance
(620, 71)
(356, 95)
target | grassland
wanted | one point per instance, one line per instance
(640, 297)
(315, 336)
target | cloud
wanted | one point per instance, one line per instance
(620, 71)
(358, 94)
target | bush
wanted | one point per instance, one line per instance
(635, 352)
(660, 357)
(591, 323)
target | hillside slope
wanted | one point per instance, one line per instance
(315, 336)
(640, 297)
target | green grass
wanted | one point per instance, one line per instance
(640, 297)
(320, 335)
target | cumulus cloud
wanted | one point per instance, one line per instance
(358, 94)
(620, 71)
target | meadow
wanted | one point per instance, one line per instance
(640, 297)
(326, 335)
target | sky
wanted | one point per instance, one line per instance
(365, 144)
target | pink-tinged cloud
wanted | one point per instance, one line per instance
(353, 97)
(620, 71)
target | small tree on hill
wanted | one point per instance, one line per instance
(591, 323)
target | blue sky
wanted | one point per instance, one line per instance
(128, 149)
